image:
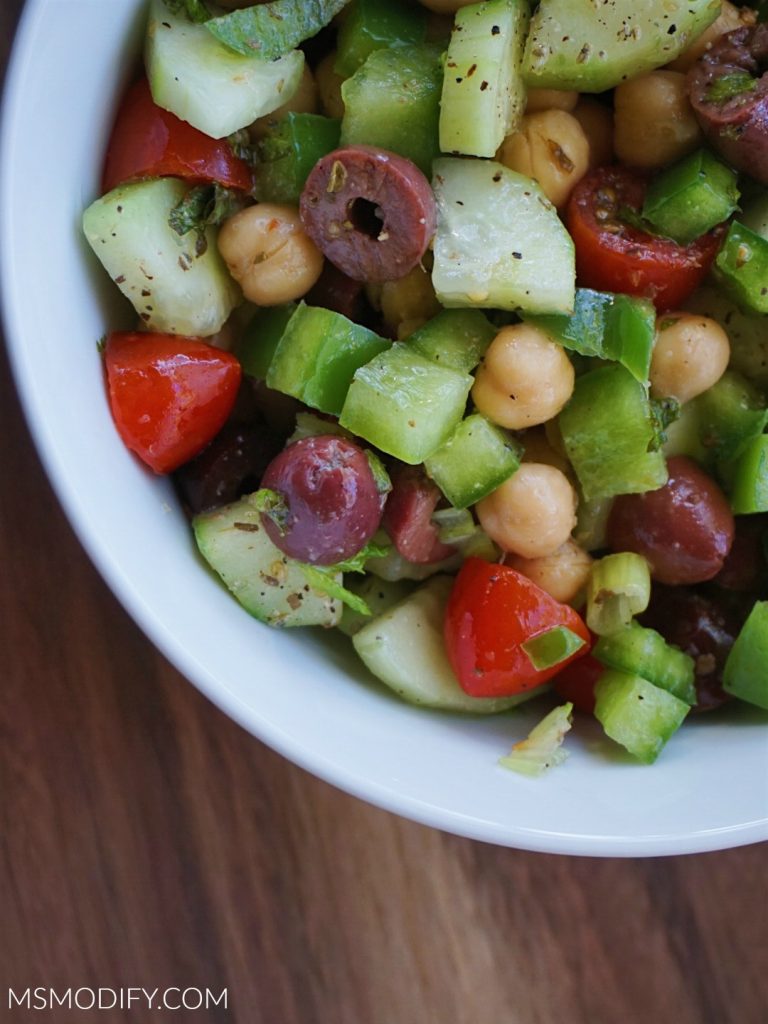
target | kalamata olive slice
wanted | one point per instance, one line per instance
(231, 465)
(704, 626)
(685, 529)
(335, 290)
(334, 506)
(728, 87)
(745, 569)
(371, 212)
(408, 517)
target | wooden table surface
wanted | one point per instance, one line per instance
(146, 840)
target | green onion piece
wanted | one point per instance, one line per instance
(550, 648)
(541, 749)
(618, 589)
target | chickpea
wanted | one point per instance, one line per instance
(445, 6)
(410, 298)
(303, 101)
(563, 574)
(550, 99)
(690, 355)
(269, 254)
(596, 120)
(730, 18)
(654, 123)
(329, 86)
(525, 378)
(551, 147)
(531, 514)
(537, 448)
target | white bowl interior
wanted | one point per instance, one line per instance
(304, 695)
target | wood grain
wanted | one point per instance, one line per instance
(147, 840)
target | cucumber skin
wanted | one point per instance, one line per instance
(483, 95)
(404, 648)
(565, 51)
(499, 243)
(199, 80)
(270, 586)
(173, 290)
(636, 714)
(474, 461)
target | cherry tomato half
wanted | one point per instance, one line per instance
(612, 255)
(169, 395)
(492, 611)
(149, 142)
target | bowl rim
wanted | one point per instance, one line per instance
(272, 734)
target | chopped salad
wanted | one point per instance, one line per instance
(450, 327)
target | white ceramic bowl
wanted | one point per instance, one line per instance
(303, 694)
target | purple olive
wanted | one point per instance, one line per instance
(685, 529)
(334, 506)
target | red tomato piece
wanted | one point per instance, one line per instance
(169, 395)
(492, 611)
(612, 255)
(149, 142)
(576, 683)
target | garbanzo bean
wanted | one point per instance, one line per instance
(691, 354)
(303, 101)
(730, 18)
(525, 378)
(537, 448)
(596, 120)
(550, 99)
(563, 574)
(653, 122)
(329, 86)
(531, 514)
(269, 254)
(551, 147)
(409, 298)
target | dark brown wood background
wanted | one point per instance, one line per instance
(147, 840)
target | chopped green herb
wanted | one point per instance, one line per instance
(271, 30)
(664, 412)
(203, 207)
(195, 10)
(273, 505)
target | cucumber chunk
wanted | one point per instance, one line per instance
(404, 404)
(318, 355)
(393, 102)
(746, 670)
(637, 714)
(268, 585)
(201, 81)
(644, 652)
(499, 242)
(475, 460)
(592, 46)
(172, 288)
(380, 595)
(404, 648)
(483, 93)
(456, 338)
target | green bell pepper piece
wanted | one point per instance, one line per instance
(742, 267)
(258, 344)
(690, 198)
(376, 25)
(746, 670)
(289, 151)
(749, 485)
